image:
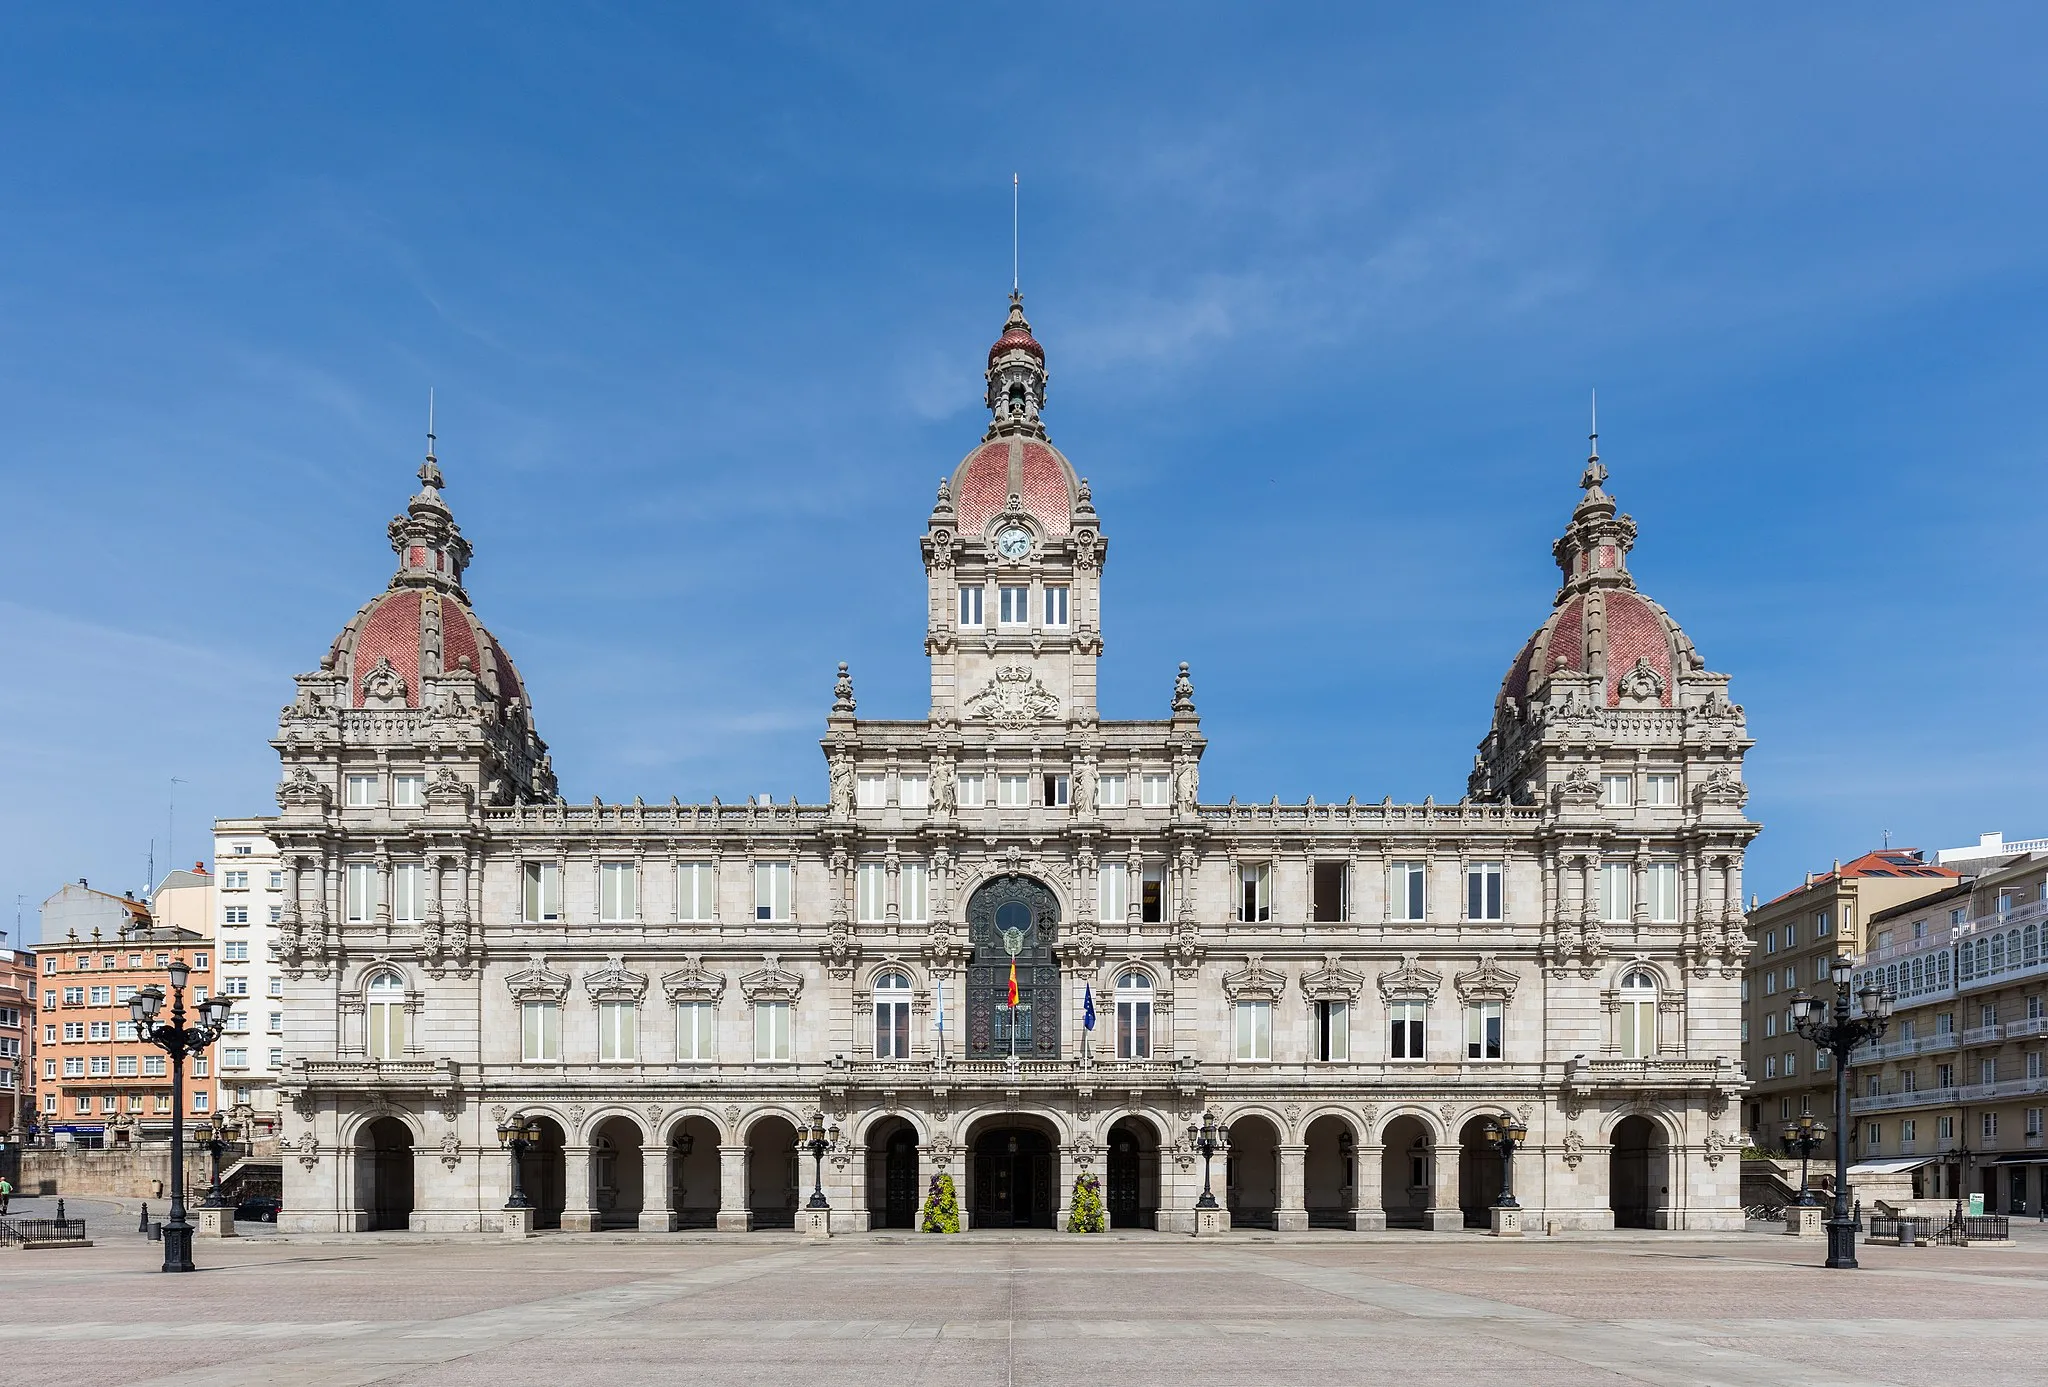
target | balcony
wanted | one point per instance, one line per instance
(1918, 1098)
(1983, 1035)
(2019, 1030)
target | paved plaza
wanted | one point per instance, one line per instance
(982, 1309)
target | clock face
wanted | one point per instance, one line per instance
(1013, 543)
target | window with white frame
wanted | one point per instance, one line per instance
(871, 892)
(913, 791)
(1406, 890)
(914, 882)
(1617, 791)
(154, 1066)
(1055, 605)
(1015, 606)
(892, 1017)
(1792, 936)
(870, 791)
(1770, 1066)
(1405, 1029)
(1483, 1023)
(384, 1014)
(235, 915)
(101, 1030)
(1255, 892)
(1152, 893)
(1055, 792)
(1329, 886)
(1113, 886)
(1482, 891)
(696, 892)
(1791, 1063)
(408, 791)
(2033, 1122)
(232, 880)
(1663, 892)
(771, 890)
(408, 893)
(973, 791)
(541, 892)
(970, 606)
(277, 881)
(1114, 791)
(618, 892)
(1824, 925)
(540, 1025)
(1332, 1039)
(1155, 791)
(1254, 1030)
(1660, 788)
(1617, 903)
(696, 1032)
(361, 791)
(359, 883)
(618, 1032)
(1134, 1016)
(1639, 1014)
(1988, 1126)
(1013, 791)
(771, 1031)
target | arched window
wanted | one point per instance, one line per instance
(1134, 1016)
(2032, 946)
(1998, 953)
(1638, 1014)
(385, 1010)
(892, 1017)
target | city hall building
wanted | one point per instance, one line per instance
(670, 991)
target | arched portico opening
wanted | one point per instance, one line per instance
(1014, 1167)
(1639, 1174)
(1013, 921)
(892, 1174)
(1407, 1173)
(384, 1190)
(773, 1179)
(543, 1174)
(1479, 1174)
(693, 1175)
(617, 1184)
(1251, 1172)
(1131, 1193)
(1330, 1173)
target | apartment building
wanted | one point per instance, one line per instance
(17, 1041)
(1956, 1093)
(1793, 938)
(246, 909)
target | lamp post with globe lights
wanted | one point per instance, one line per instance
(1834, 1028)
(179, 1041)
(1805, 1135)
(1209, 1138)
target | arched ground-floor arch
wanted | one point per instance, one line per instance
(1131, 1171)
(1253, 1172)
(384, 1174)
(543, 1174)
(774, 1175)
(617, 1173)
(892, 1183)
(693, 1173)
(1407, 1173)
(1479, 1174)
(1013, 1173)
(1330, 1173)
(1639, 1174)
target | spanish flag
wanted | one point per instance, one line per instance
(1013, 982)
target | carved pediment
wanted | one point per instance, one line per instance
(300, 790)
(693, 982)
(537, 982)
(1254, 982)
(1721, 787)
(1488, 981)
(1409, 982)
(615, 982)
(446, 791)
(383, 686)
(1013, 698)
(1332, 982)
(772, 982)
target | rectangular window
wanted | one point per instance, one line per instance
(235, 915)
(973, 791)
(1255, 1030)
(870, 791)
(1013, 791)
(1944, 1076)
(362, 791)
(1616, 903)
(276, 914)
(1661, 790)
(1155, 791)
(1255, 893)
(360, 883)
(1791, 936)
(771, 890)
(408, 893)
(1663, 892)
(914, 880)
(892, 1024)
(277, 1058)
(408, 791)
(127, 1066)
(1055, 790)
(1333, 1031)
(234, 1057)
(1152, 894)
(696, 1032)
(201, 1101)
(1987, 1070)
(102, 1030)
(618, 892)
(1791, 1063)
(1908, 1130)
(771, 1031)
(1989, 1126)
(74, 1030)
(1770, 1066)
(74, 996)
(618, 1032)
(1015, 608)
(1116, 791)
(153, 1066)
(970, 606)
(1326, 884)
(1113, 890)
(696, 892)
(103, 996)
(542, 897)
(2033, 1122)
(1055, 606)
(1482, 891)
(1482, 1030)
(1405, 890)
(913, 791)
(541, 1027)
(871, 893)
(1405, 1030)
(102, 1066)
(163, 1102)
(1134, 1018)
(234, 881)
(277, 881)
(74, 1066)
(1616, 791)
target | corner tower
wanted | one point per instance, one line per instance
(1013, 560)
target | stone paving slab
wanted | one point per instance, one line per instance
(1733, 1311)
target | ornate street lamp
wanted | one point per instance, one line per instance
(1805, 1136)
(179, 1041)
(518, 1134)
(1209, 1138)
(1505, 1134)
(1833, 1029)
(220, 1135)
(822, 1140)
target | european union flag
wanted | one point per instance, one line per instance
(1087, 1006)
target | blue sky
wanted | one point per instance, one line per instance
(705, 296)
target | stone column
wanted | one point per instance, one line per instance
(579, 1214)
(1367, 1212)
(734, 1216)
(1444, 1214)
(1290, 1213)
(1068, 1169)
(655, 1214)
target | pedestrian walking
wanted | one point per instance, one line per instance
(6, 1193)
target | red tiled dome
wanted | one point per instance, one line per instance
(1033, 470)
(1021, 339)
(393, 629)
(1637, 629)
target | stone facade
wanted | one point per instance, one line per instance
(671, 991)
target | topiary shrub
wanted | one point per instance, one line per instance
(941, 1207)
(1087, 1215)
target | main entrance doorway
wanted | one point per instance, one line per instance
(892, 1175)
(1013, 1179)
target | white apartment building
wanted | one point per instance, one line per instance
(248, 907)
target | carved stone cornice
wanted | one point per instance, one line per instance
(1410, 982)
(1488, 981)
(693, 982)
(615, 982)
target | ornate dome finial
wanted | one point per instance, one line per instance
(1594, 474)
(431, 550)
(1016, 377)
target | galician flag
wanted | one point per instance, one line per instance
(1013, 982)
(1087, 1006)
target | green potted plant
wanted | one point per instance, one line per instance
(1088, 1215)
(941, 1207)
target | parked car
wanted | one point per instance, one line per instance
(259, 1208)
